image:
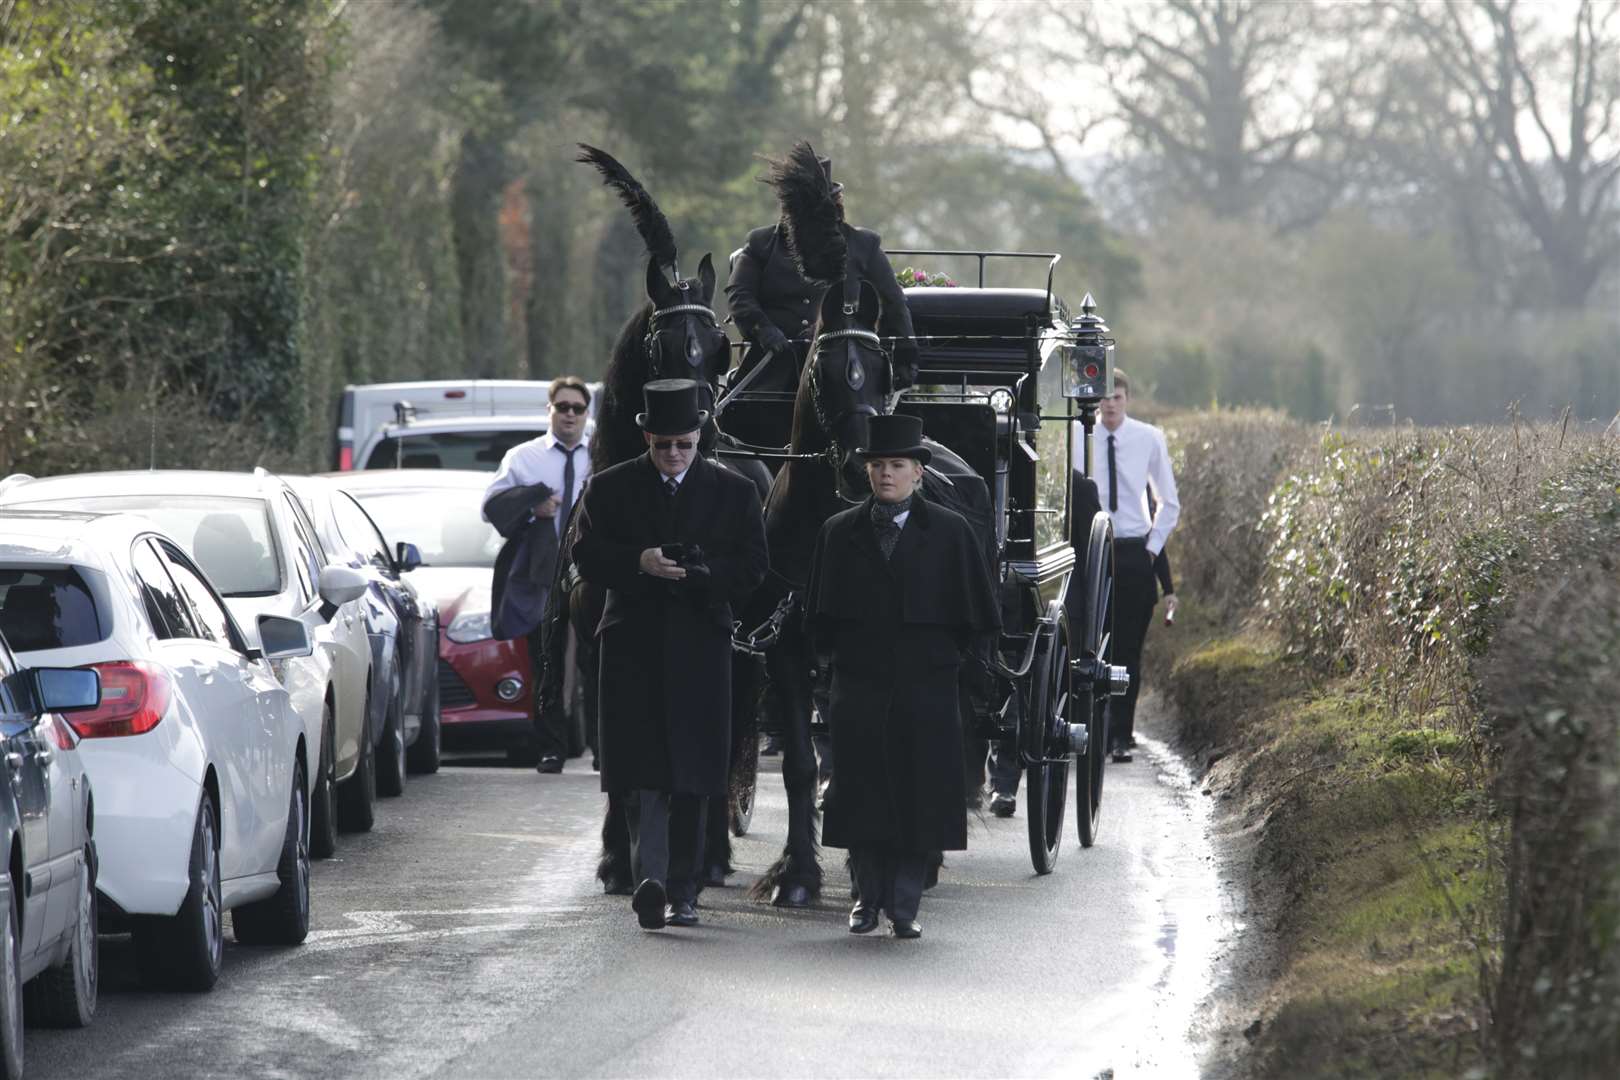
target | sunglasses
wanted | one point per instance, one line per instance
(569, 407)
(673, 444)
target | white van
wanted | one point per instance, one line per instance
(372, 417)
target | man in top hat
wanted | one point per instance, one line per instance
(675, 541)
(899, 598)
(776, 308)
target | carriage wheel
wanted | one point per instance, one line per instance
(1091, 704)
(744, 781)
(1047, 782)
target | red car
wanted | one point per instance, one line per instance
(485, 684)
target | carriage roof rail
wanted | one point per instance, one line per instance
(1052, 259)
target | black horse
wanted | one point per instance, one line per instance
(674, 334)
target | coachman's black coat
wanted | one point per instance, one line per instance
(897, 631)
(665, 700)
(770, 301)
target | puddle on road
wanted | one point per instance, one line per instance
(1198, 921)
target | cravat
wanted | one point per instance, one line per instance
(568, 490)
(1113, 480)
(888, 530)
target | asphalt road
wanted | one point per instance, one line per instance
(466, 937)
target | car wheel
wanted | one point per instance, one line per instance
(185, 951)
(391, 752)
(11, 993)
(357, 795)
(65, 996)
(323, 824)
(423, 756)
(283, 918)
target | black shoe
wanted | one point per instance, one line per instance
(596, 763)
(681, 913)
(1003, 805)
(715, 877)
(771, 748)
(1121, 753)
(550, 763)
(617, 886)
(910, 928)
(862, 920)
(648, 904)
(794, 896)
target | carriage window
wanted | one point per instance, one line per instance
(1052, 459)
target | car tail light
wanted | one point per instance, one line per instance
(134, 697)
(345, 458)
(61, 735)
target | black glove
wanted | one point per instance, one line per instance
(772, 340)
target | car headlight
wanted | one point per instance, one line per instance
(470, 627)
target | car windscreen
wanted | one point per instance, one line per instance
(444, 524)
(229, 537)
(48, 609)
(478, 450)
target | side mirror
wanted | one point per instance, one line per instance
(340, 584)
(60, 690)
(407, 557)
(281, 637)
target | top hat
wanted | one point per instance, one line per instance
(672, 407)
(826, 167)
(895, 436)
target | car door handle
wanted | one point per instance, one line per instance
(43, 757)
(14, 761)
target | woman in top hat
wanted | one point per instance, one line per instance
(899, 597)
(675, 541)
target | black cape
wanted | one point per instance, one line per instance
(896, 632)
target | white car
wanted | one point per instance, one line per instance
(250, 535)
(200, 765)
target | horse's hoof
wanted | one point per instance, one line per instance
(617, 886)
(793, 896)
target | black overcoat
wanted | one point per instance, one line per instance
(897, 630)
(665, 699)
(766, 293)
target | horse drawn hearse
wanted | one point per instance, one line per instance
(1004, 375)
(999, 377)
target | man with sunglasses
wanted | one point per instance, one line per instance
(676, 542)
(529, 503)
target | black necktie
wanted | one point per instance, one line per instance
(1113, 479)
(568, 489)
(672, 487)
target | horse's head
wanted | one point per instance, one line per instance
(684, 339)
(850, 377)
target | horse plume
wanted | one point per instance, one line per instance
(810, 217)
(650, 221)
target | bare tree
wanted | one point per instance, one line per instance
(1245, 104)
(1546, 111)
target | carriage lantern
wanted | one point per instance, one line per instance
(1088, 366)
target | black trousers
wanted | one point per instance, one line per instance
(891, 881)
(550, 724)
(666, 840)
(1135, 595)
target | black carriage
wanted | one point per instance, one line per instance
(1006, 375)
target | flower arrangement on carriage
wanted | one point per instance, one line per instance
(911, 278)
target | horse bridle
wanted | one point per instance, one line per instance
(650, 342)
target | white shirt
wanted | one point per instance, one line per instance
(1141, 460)
(543, 461)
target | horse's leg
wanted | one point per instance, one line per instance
(794, 880)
